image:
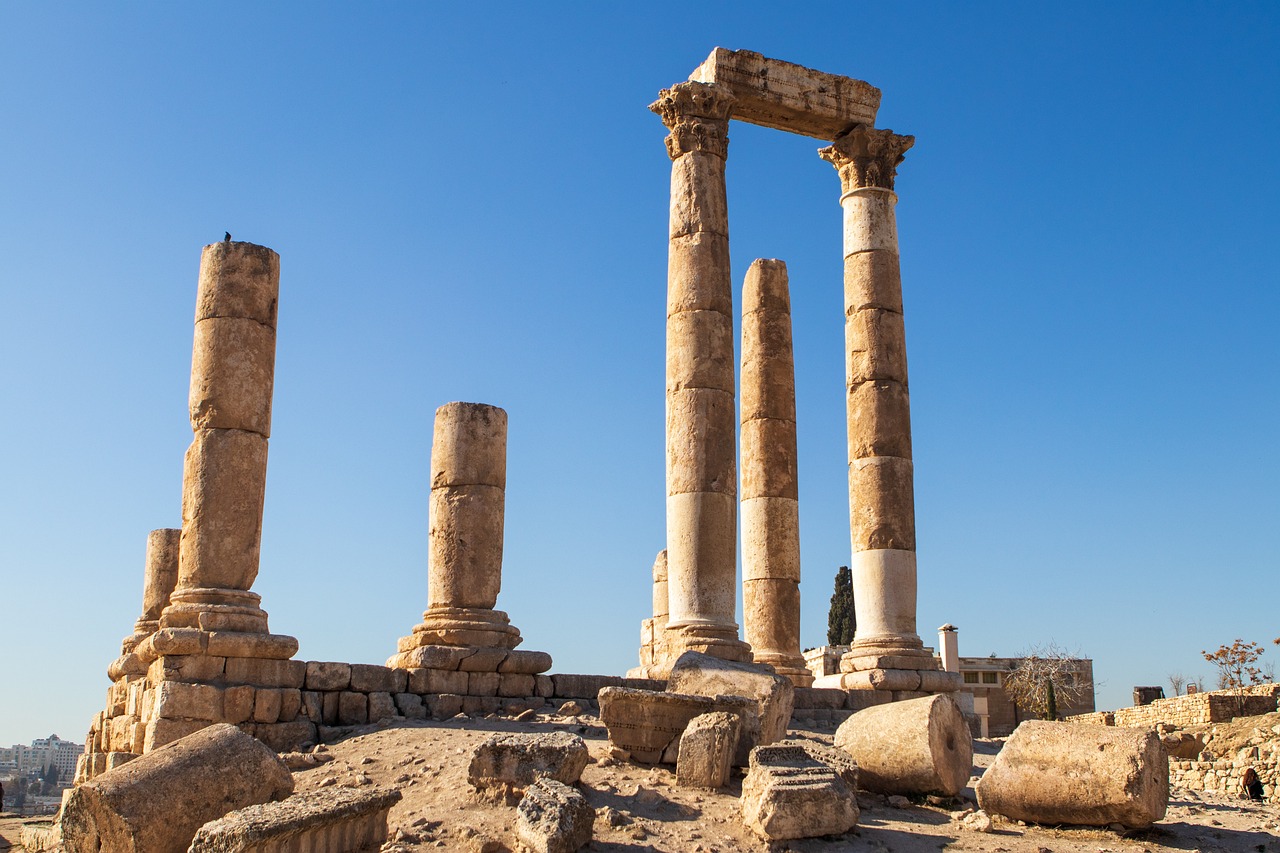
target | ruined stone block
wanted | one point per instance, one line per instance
(437, 681)
(707, 747)
(262, 672)
(646, 723)
(553, 818)
(266, 705)
(238, 703)
(410, 706)
(788, 794)
(324, 821)
(367, 678)
(353, 708)
(180, 700)
(520, 759)
(703, 675)
(321, 675)
(381, 706)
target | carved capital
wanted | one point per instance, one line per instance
(867, 157)
(697, 114)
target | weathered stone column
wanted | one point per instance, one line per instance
(653, 630)
(160, 575)
(464, 556)
(701, 470)
(225, 471)
(881, 498)
(770, 500)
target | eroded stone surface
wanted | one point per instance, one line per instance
(789, 794)
(646, 723)
(704, 675)
(707, 748)
(1076, 773)
(914, 747)
(553, 818)
(518, 760)
(334, 820)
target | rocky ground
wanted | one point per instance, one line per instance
(640, 809)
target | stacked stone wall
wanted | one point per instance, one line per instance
(310, 701)
(1223, 775)
(1195, 709)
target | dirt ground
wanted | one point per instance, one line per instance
(640, 809)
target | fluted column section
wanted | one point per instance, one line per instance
(701, 470)
(881, 499)
(770, 497)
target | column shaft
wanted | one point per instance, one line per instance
(881, 499)
(770, 506)
(225, 470)
(701, 470)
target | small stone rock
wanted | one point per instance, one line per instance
(571, 709)
(553, 818)
(899, 802)
(977, 822)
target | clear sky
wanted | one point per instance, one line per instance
(470, 203)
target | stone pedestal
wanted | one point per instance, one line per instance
(464, 556)
(887, 652)
(700, 443)
(160, 575)
(770, 505)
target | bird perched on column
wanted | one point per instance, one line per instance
(226, 237)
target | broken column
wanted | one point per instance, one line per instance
(464, 556)
(653, 630)
(700, 442)
(225, 471)
(881, 498)
(212, 658)
(160, 575)
(770, 505)
(917, 746)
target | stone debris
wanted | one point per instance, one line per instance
(978, 821)
(518, 760)
(647, 724)
(553, 818)
(918, 746)
(698, 674)
(337, 821)
(788, 794)
(155, 803)
(707, 748)
(1075, 773)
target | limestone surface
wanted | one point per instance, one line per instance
(703, 675)
(334, 820)
(707, 748)
(553, 818)
(647, 724)
(1076, 773)
(789, 794)
(918, 746)
(155, 803)
(517, 760)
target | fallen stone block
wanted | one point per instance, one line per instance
(1076, 773)
(697, 674)
(1183, 745)
(647, 724)
(707, 748)
(788, 794)
(334, 820)
(553, 818)
(155, 803)
(519, 760)
(919, 746)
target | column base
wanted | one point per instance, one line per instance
(790, 667)
(467, 627)
(224, 644)
(902, 683)
(719, 641)
(215, 610)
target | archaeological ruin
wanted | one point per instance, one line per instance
(707, 700)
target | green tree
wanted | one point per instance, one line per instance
(840, 618)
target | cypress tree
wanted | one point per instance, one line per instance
(840, 618)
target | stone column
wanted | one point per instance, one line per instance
(701, 475)
(225, 470)
(881, 500)
(653, 630)
(464, 552)
(160, 575)
(770, 505)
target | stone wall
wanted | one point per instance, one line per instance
(313, 700)
(1195, 709)
(1223, 775)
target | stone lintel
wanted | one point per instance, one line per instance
(790, 97)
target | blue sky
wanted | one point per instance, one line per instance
(472, 205)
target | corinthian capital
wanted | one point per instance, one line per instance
(867, 157)
(697, 114)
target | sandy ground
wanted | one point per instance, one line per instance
(640, 809)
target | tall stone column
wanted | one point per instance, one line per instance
(225, 470)
(653, 630)
(770, 499)
(701, 470)
(464, 556)
(886, 647)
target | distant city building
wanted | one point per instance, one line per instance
(20, 760)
